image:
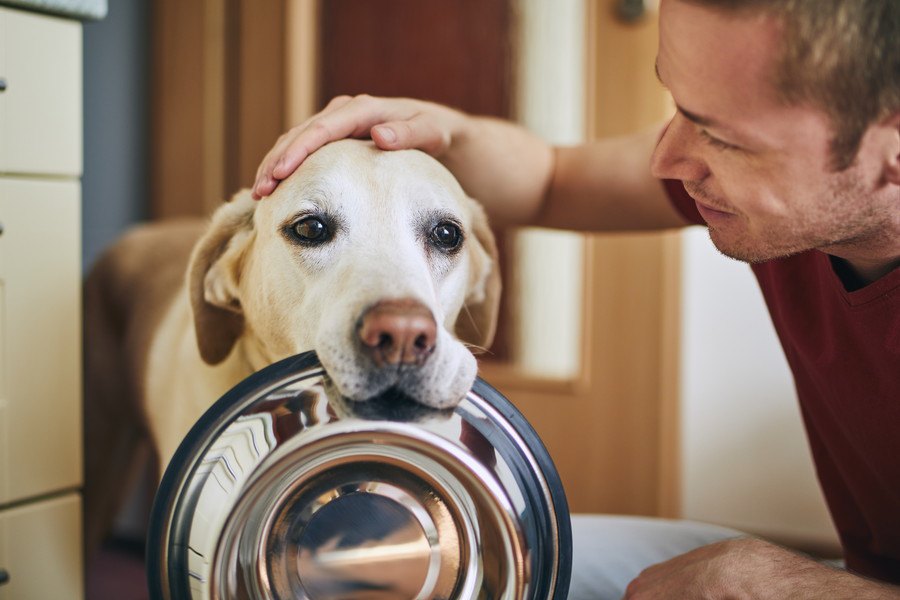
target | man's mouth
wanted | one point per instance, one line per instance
(711, 214)
(707, 211)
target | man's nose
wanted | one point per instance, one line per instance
(676, 155)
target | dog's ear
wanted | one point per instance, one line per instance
(477, 321)
(214, 276)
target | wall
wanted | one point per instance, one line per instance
(746, 463)
(116, 148)
(114, 185)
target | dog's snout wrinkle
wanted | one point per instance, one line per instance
(398, 332)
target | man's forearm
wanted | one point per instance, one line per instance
(520, 179)
(826, 582)
(601, 186)
(607, 186)
(503, 166)
(751, 568)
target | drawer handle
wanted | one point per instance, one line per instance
(4, 576)
(2, 85)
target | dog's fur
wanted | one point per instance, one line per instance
(160, 347)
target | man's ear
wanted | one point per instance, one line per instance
(214, 278)
(892, 165)
(477, 321)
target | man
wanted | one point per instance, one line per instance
(786, 144)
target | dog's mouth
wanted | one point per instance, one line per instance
(365, 378)
(439, 382)
(393, 404)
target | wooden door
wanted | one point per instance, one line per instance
(218, 90)
(612, 426)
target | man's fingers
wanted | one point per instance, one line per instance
(346, 118)
(314, 136)
(266, 177)
(335, 103)
(263, 188)
(392, 123)
(268, 163)
(418, 132)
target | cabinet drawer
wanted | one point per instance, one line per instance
(40, 548)
(40, 329)
(40, 109)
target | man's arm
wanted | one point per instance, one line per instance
(751, 568)
(517, 176)
(606, 186)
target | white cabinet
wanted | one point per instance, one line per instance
(40, 319)
(40, 546)
(40, 109)
(40, 306)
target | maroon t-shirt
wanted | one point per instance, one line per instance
(844, 350)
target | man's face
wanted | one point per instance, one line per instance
(759, 170)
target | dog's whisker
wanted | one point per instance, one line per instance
(472, 319)
(476, 349)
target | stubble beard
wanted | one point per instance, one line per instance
(844, 221)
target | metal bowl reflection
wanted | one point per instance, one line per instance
(284, 489)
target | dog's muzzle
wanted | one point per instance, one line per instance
(397, 332)
(285, 490)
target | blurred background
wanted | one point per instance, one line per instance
(646, 362)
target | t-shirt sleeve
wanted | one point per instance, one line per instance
(683, 203)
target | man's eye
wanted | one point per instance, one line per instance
(311, 230)
(716, 142)
(446, 236)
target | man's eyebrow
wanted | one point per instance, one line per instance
(698, 119)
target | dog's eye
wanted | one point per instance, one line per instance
(446, 236)
(310, 230)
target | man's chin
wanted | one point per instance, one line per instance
(745, 250)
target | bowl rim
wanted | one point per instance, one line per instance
(184, 460)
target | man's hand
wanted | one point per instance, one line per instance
(392, 123)
(518, 177)
(504, 166)
(750, 568)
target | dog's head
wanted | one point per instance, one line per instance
(377, 260)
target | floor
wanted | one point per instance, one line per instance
(117, 572)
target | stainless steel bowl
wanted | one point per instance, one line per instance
(284, 489)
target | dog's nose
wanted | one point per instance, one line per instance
(398, 332)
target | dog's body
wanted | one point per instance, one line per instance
(378, 261)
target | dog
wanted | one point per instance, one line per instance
(376, 260)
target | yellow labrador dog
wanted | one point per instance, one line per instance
(377, 260)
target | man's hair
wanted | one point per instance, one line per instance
(842, 56)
